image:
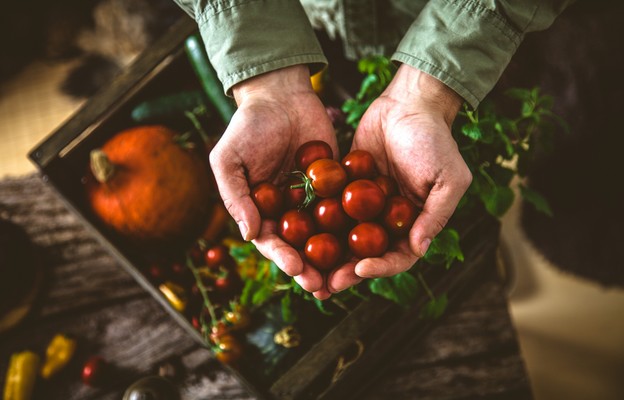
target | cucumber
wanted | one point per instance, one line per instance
(207, 76)
(168, 106)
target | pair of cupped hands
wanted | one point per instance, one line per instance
(407, 130)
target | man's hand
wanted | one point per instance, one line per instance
(408, 132)
(277, 112)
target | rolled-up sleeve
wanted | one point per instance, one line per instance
(246, 38)
(467, 44)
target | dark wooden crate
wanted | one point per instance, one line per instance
(380, 326)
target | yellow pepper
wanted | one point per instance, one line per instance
(21, 376)
(58, 354)
(175, 295)
(318, 82)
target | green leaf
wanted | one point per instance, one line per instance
(472, 130)
(501, 175)
(434, 308)
(261, 294)
(255, 293)
(367, 83)
(527, 108)
(444, 248)
(287, 314)
(321, 307)
(536, 199)
(402, 288)
(497, 199)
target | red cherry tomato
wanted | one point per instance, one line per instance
(228, 283)
(268, 198)
(293, 197)
(368, 239)
(328, 177)
(217, 331)
(359, 164)
(229, 350)
(311, 151)
(330, 217)
(399, 215)
(363, 200)
(296, 227)
(323, 251)
(217, 256)
(95, 371)
(387, 184)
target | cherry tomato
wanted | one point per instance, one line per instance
(359, 164)
(330, 217)
(95, 371)
(296, 227)
(368, 239)
(328, 177)
(217, 256)
(363, 200)
(228, 283)
(158, 273)
(229, 350)
(268, 198)
(239, 318)
(323, 251)
(387, 184)
(311, 151)
(399, 215)
(217, 331)
(293, 197)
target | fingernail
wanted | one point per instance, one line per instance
(424, 246)
(242, 226)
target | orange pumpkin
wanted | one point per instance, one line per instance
(149, 188)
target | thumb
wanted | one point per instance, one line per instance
(437, 210)
(234, 190)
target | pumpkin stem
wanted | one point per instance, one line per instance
(101, 167)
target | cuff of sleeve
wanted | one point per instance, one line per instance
(461, 43)
(246, 38)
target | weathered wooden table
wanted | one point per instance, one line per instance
(472, 353)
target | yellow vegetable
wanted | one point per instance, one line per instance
(21, 376)
(317, 81)
(58, 354)
(175, 294)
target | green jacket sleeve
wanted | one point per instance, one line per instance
(245, 38)
(467, 44)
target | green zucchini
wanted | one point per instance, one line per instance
(198, 58)
(168, 106)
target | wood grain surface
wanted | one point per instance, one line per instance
(472, 353)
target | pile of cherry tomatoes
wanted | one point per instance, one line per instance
(333, 211)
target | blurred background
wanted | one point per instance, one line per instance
(566, 276)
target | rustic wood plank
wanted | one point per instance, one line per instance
(472, 353)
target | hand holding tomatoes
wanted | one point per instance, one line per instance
(278, 112)
(345, 215)
(407, 131)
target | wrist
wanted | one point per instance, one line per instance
(419, 89)
(287, 80)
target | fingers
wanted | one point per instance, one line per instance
(309, 279)
(437, 210)
(393, 262)
(234, 189)
(274, 248)
(343, 278)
